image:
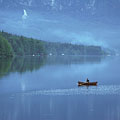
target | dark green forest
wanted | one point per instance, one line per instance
(5, 47)
(19, 45)
(23, 45)
(72, 49)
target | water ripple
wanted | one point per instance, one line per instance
(99, 90)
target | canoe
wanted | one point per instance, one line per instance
(87, 83)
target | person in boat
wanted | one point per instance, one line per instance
(87, 80)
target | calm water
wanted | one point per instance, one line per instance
(35, 88)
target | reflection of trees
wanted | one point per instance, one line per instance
(20, 64)
(74, 59)
(23, 64)
(5, 65)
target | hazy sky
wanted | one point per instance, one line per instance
(61, 27)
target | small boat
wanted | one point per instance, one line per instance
(87, 83)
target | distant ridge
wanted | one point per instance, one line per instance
(28, 46)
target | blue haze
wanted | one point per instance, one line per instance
(90, 22)
(38, 89)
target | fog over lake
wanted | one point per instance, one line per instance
(46, 88)
(53, 44)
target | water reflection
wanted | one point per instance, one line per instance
(20, 64)
(5, 65)
(67, 60)
(60, 108)
(23, 64)
(35, 88)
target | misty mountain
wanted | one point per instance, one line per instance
(88, 22)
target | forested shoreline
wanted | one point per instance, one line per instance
(11, 45)
(23, 45)
(5, 47)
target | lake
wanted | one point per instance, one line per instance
(45, 88)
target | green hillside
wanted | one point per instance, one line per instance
(18, 45)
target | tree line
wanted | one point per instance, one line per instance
(11, 45)
(72, 49)
(24, 46)
(5, 47)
